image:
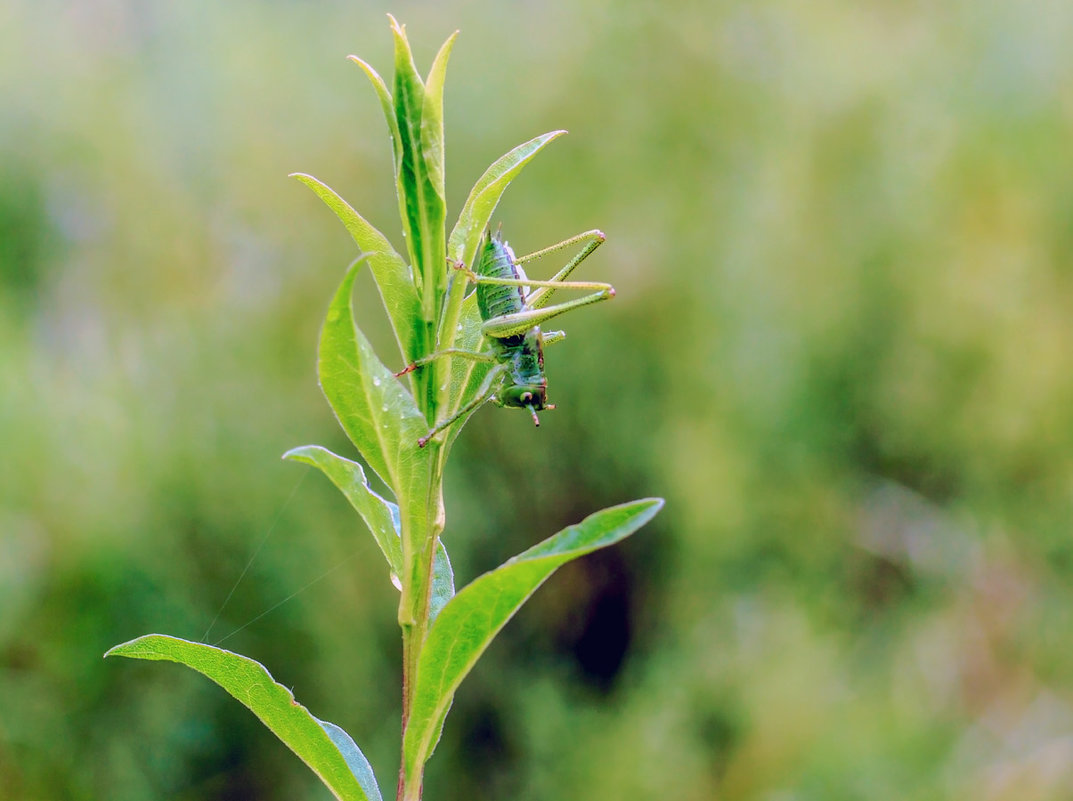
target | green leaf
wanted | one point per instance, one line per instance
(344, 770)
(410, 178)
(373, 407)
(432, 142)
(485, 195)
(393, 276)
(380, 515)
(424, 208)
(386, 104)
(384, 423)
(350, 479)
(472, 618)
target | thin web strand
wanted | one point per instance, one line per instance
(293, 595)
(257, 550)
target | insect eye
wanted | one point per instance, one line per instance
(526, 397)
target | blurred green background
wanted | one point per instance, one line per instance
(842, 238)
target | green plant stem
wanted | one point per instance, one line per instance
(414, 620)
(410, 653)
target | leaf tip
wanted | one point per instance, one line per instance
(439, 64)
(295, 454)
(126, 648)
(651, 507)
(365, 65)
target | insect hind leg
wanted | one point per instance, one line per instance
(542, 295)
(509, 325)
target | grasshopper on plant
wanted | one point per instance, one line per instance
(512, 308)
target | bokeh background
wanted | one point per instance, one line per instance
(841, 234)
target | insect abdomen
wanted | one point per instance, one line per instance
(493, 300)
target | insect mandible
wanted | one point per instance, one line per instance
(512, 308)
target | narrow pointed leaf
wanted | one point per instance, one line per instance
(409, 97)
(485, 195)
(350, 479)
(386, 103)
(432, 142)
(424, 206)
(475, 615)
(393, 277)
(247, 681)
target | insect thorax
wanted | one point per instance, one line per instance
(524, 384)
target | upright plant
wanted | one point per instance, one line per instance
(458, 356)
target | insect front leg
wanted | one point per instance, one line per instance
(484, 394)
(465, 354)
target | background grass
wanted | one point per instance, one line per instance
(841, 237)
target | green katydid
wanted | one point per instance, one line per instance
(512, 308)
